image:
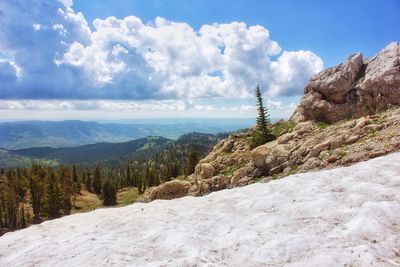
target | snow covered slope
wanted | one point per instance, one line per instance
(343, 217)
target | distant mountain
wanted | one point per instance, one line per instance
(89, 154)
(176, 152)
(156, 148)
(26, 134)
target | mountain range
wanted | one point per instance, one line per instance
(106, 152)
(27, 134)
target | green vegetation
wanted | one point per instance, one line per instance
(372, 133)
(323, 125)
(109, 193)
(127, 195)
(281, 127)
(368, 109)
(91, 154)
(191, 162)
(230, 170)
(263, 133)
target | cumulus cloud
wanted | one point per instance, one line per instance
(57, 56)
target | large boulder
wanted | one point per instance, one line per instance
(270, 155)
(204, 170)
(169, 190)
(354, 88)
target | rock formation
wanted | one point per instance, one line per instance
(169, 190)
(353, 89)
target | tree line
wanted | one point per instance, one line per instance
(32, 195)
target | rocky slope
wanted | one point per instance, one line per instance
(337, 95)
(354, 88)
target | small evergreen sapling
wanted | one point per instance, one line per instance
(263, 133)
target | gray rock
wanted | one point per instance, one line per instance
(354, 88)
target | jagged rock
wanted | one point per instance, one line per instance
(311, 164)
(362, 122)
(319, 148)
(353, 89)
(241, 176)
(205, 186)
(169, 190)
(227, 146)
(337, 141)
(270, 155)
(204, 170)
(336, 82)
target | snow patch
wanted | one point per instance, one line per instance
(348, 216)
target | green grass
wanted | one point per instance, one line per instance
(372, 133)
(230, 170)
(88, 201)
(282, 127)
(127, 196)
(323, 125)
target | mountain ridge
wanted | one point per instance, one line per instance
(16, 135)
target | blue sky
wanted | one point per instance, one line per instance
(91, 59)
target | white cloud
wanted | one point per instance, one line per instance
(36, 26)
(128, 59)
(274, 104)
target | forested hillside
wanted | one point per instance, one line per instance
(89, 154)
(26, 134)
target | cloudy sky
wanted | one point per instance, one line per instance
(107, 59)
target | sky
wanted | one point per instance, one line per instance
(126, 59)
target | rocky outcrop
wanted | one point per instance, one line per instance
(228, 165)
(314, 146)
(169, 190)
(353, 89)
(309, 146)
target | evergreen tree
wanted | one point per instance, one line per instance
(22, 220)
(67, 205)
(191, 162)
(76, 185)
(129, 181)
(54, 197)
(263, 133)
(88, 183)
(109, 194)
(35, 197)
(97, 180)
(141, 186)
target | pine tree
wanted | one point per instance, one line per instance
(191, 162)
(35, 197)
(22, 220)
(109, 194)
(54, 197)
(76, 185)
(129, 181)
(141, 186)
(263, 133)
(88, 183)
(97, 180)
(263, 121)
(67, 205)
